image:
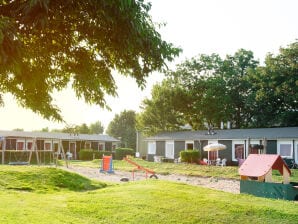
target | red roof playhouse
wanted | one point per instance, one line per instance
(256, 177)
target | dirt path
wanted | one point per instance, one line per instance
(232, 186)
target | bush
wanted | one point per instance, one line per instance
(190, 156)
(90, 154)
(123, 152)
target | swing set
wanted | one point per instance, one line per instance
(24, 157)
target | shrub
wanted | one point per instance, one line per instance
(123, 152)
(190, 156)
(90, 154)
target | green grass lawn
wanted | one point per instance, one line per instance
(31, 194)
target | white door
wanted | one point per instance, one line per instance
(169, 150)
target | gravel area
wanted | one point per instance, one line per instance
(227, 185)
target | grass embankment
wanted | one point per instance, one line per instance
(54, 197)
(230, 172)
(43, 179)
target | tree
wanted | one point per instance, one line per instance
(217, 89)
(46, 129)
(82, 129)
(123, 126)
(205, 91)
(164, 111)
(276, 86)
(45, 45)
(96, 128)
(235, 73)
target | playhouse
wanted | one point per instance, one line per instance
(256, 177)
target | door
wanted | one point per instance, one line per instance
(212, 155)
(72, 149)
(169, 150)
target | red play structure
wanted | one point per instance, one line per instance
(139, 167)
(107, 164)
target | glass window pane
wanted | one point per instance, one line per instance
(285, 150)
(239, 151)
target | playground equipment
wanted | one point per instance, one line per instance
(139, 167)
(24, 156)
(107, 164)
(256, 177)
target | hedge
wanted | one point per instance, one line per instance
(90, 154)
(190, 156)
(123, 152)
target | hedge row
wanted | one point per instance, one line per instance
(190, 156)
(123, 152)
(90, 154)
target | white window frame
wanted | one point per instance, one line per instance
(29, 141)
(238, 142)
(151, 148)
(88, 143)
(170, 149)
(19, 141)
(189, 142)
(103, 146)
(48, 142)
(253, 142)
(285, 142)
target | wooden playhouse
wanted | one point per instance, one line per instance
(256, 177)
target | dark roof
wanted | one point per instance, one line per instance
(60, 136)
(230, 134)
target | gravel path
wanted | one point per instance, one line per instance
(227, 185)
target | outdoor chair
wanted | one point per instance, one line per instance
(218, 162)
(224, 162)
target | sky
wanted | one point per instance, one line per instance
(196, 26)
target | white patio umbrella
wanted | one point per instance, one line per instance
(214, 147)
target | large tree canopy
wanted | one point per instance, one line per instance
(234, 89)
(123, 126)
(276, 86)
(46, 44)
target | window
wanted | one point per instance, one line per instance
(152, 148)
(285, 149)
(169, 150)
(101, 146)
(20, 144)
(238, 150)
(56, 146)
(29, 145)
(254, 147)
(88, 145)
(189, 145)
(47, 145)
